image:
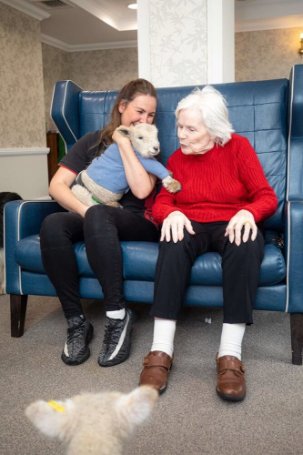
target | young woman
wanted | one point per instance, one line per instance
(101, 228)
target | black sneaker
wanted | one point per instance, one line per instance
(79, 334)
(117, 339)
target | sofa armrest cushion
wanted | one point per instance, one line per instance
(22, 219)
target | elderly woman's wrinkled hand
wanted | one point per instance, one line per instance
(242, 219)
(173, 227)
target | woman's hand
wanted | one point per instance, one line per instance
(173, 226)
(60, 190)
(241, 219)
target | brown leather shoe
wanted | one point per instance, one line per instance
(157, 365)
(230, 379)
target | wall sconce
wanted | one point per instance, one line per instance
(301, 47)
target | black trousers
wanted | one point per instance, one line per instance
(240, 267)
(102, 229)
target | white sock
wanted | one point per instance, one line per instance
(164, 334)
(116, 314)
(231, 340)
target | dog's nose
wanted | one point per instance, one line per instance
(156, 149)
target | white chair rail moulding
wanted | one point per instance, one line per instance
(16, 151)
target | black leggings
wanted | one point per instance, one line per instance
(240, 266)
(102, 229)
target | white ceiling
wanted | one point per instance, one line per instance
(74, 25)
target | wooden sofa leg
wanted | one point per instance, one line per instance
(296, 332)
(18, 311)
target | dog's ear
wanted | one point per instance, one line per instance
(48, 417)
(138, 404)
(124, 130)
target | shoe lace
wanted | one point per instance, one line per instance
(113, 330)
(76, 333)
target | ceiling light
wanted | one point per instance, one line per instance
(132, 6)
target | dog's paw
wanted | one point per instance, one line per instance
(172, 185)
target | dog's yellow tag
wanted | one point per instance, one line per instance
(56, 406)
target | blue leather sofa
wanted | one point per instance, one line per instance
(270, 114)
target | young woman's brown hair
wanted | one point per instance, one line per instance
(129, 92)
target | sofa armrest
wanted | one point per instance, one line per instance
(295, 139)
(294, 256)
(22, 219)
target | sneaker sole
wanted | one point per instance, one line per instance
(85, 356)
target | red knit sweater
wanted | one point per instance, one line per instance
(216, 185)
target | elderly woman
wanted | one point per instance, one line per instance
(224, 196)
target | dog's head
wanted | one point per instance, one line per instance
(100, 421)
(144, 138)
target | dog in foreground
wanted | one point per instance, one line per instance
(104, 180)
(93, 423)
(5, 196)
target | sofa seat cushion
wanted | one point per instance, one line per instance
(139, 262)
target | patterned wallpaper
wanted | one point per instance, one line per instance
(266, 54)
(91, 70)
(178, 33)
(103, 69)
(55, 68)
(22, 117)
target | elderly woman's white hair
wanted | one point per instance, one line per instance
(211, 105)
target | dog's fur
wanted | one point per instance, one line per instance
(93, 424)
(144, 138)
(5, 197)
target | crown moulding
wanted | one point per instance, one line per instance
(27, 8)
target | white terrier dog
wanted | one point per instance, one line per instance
(93, 424)
(104, 180)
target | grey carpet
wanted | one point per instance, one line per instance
(189, 418)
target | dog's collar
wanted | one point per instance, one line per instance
(56, 406)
